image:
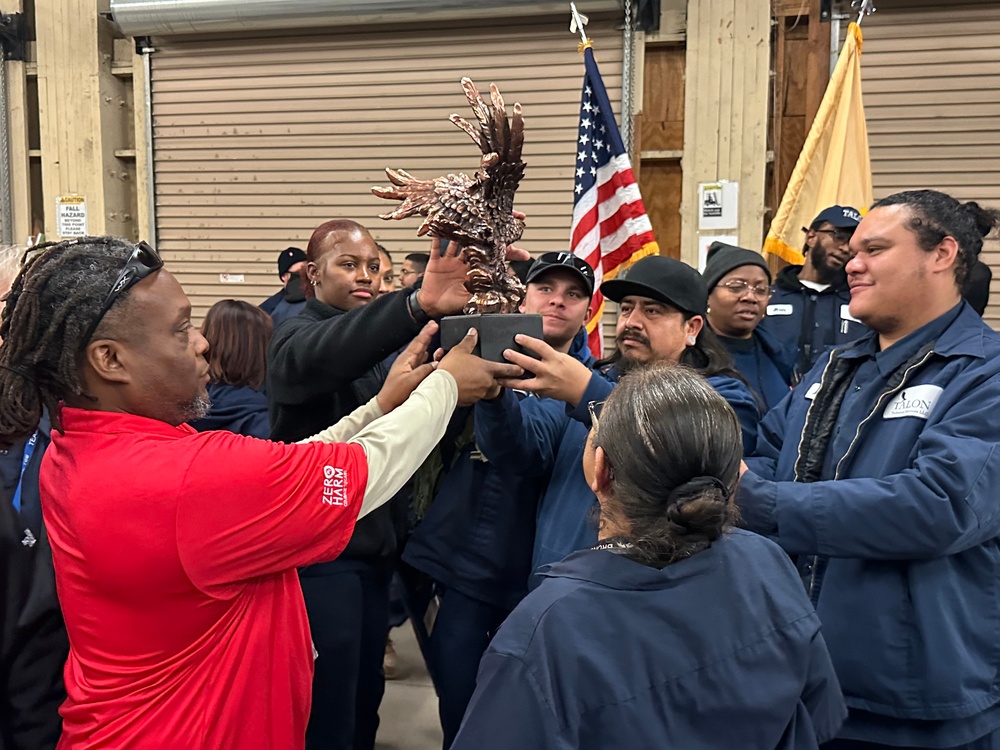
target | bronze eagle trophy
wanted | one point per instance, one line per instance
(474, 211)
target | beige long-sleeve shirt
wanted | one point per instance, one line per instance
(396, 443)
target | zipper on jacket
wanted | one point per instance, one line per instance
(814, 559)
(857, 434)
(878, 405)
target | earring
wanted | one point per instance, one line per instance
(708, 309)
(690, 340)
(313, 282)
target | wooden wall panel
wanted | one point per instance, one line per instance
(660, 184)
(726, 100)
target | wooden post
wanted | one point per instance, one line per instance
(85, 117)
(17, 119)
(144, 219)
(725, 125)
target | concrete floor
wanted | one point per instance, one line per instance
(408, 715)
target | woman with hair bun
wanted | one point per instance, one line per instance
(676, 630)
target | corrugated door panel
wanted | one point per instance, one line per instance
(931, 80)
(257, 141)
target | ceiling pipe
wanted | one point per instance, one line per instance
(167, 17)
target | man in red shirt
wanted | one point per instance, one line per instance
(175, 551)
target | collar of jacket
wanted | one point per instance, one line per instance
(788, 278)
(320, 310)
(963, 338)
(580, 349)
(618, 572)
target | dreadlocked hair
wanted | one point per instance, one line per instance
(53, 300)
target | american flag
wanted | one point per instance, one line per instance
(610, 227)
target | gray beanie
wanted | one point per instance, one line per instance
(723, 258)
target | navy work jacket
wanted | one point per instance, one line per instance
(478, 533)
(765, 363)
(236, 408)
(810, 322)
(908, 514)
(720, 650)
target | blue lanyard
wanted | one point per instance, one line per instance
(29, 451)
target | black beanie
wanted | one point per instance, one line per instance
(723, 258)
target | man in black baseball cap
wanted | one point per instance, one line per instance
(661, 318)
(661, 313)
(559, 286)
(809, 303)
(290, 260)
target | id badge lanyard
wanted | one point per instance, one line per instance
(29, 451)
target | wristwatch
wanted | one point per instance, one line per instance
(417, 313)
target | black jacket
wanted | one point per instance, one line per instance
(322, 365)
(33, 643)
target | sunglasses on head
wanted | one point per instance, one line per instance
(143, 262)
(567, 259)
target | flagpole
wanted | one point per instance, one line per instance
(867, 8)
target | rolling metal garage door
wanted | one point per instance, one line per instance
(931, 81)
(257, 141)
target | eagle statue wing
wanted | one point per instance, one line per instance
(474, 210)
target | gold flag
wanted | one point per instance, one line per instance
(833, 167)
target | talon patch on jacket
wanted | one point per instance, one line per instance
(914, 401)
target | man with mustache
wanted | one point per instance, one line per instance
(661, 318)
(809, 303)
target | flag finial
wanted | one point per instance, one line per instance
(865, 8)
(576, 23)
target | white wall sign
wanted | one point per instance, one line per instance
(71, 216)
(705, 241)
(718, 205)
(231, 278)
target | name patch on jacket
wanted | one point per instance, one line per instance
(845, 314)
(915, 401)
(780, 309)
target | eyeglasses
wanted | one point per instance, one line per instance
(143, 261)
(740, 287)
(565, 259)
(839, 236)
(595, 408)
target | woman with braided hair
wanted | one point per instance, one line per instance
(175, 551)
(675, 630)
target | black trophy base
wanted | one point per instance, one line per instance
(496, 333)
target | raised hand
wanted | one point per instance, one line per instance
(476, 377)
(408, 371)
(442, 291)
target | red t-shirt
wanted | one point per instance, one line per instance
(175, 555)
